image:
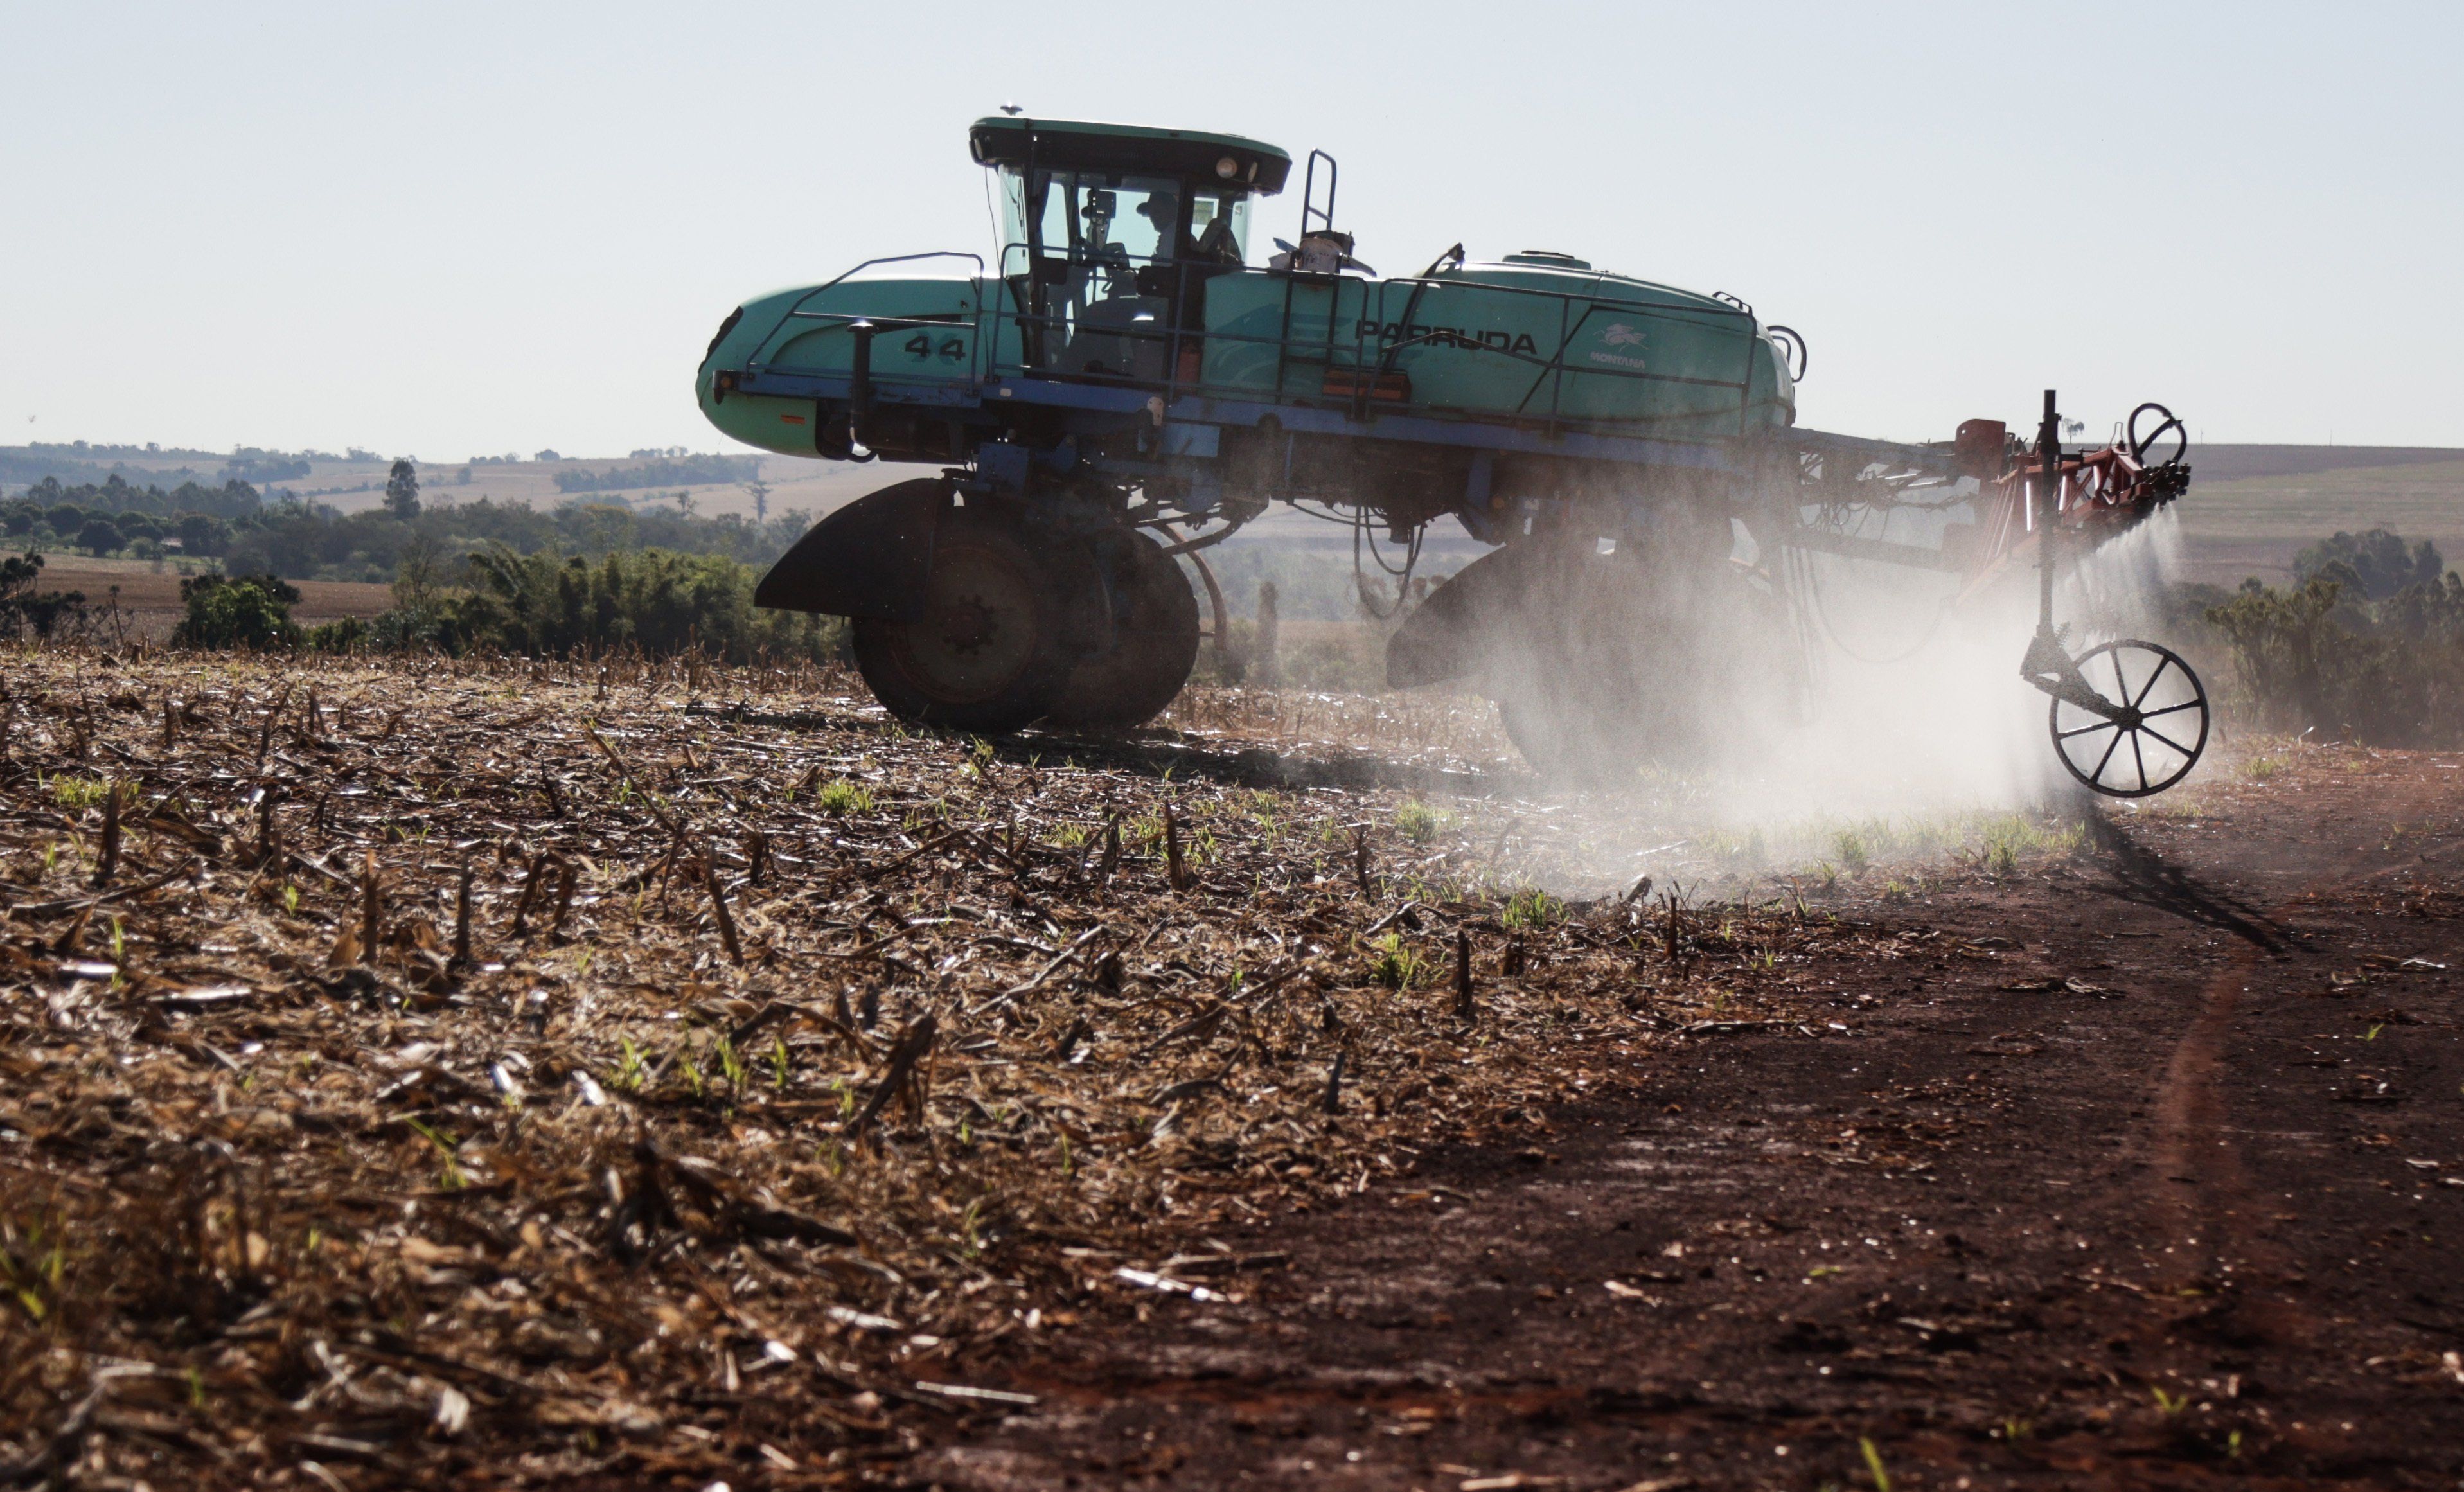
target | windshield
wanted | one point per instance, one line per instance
(1110, 268)
(1220, 222)
(1120, 219)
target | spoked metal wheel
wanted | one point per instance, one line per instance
(2150, 729)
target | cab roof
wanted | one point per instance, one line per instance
(1084, 144)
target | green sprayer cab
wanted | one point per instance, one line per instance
(1131, 381)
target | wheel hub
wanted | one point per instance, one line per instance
(968, 624)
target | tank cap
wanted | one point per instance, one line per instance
(1550, 257)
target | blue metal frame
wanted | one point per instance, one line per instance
(1129, 404)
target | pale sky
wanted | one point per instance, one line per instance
(442, 229)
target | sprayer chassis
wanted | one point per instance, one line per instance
(1098, 413)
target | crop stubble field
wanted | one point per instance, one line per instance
(802, 1101)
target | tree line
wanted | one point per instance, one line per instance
(299, 540)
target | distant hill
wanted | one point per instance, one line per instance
(2251, 508)
(2231, 463)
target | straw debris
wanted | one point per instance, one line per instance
(727, 1128)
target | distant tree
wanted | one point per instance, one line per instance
(66, 518)
(547, 456)
(99, 537)
(685, 503)
(402, 491)
(201, 534)
(760, 494)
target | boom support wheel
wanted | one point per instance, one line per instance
(2138, 734)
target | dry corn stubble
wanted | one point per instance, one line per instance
(733, 1108)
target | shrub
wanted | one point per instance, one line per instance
(347, 635)
(545, 605)
(251, 612)
(22, 609)
(659, 601)
(2390, 674)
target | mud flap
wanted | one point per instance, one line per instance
(870, 559)
(1452, 633)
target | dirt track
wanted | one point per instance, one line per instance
(2166, 1195)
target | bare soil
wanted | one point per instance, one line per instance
(2161, 1190)
(151, 599)
(823, 1104)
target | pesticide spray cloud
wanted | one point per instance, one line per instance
(1892, 699)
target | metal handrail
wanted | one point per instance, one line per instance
(797, 310)
(986, 360)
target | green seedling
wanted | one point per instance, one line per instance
(73, 792)
(628, 1064)
(842, 796)
(1874, 1464)
(1416, 821)
(451, 1180)
(37, 1284)
(777, 1062)
(1851, 848)
(2170, 1404)
(1533, 910)
(729, 1066)
(1398, 966)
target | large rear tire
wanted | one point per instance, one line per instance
(987, 654)
(1147, 647)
